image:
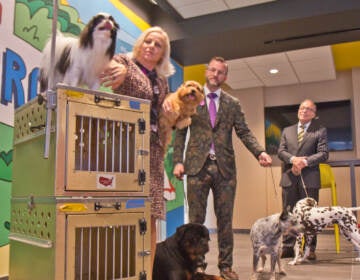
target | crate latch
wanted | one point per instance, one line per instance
(142, 226)
(142, 275)
(141, 177)
(143, 152)
(142, 126)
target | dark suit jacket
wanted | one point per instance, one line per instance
(229, 116)
(314, 146)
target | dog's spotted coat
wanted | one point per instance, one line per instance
(266, 238)
(315, 219)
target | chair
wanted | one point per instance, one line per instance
(327, 180)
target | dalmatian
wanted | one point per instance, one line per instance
(315, 219)
(266, 236)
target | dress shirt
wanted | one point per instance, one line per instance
(218, 92)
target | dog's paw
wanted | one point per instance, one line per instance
(304, 260)
(183, 123)
(253, 276)
(260, 270)
(293, 262)
(357, 259)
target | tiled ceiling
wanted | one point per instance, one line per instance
(295, 67)
(193, 8)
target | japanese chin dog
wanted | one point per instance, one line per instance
(79, 61)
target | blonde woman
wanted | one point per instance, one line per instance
(143, 74)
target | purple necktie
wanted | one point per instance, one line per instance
(212, 113)
(212, 108)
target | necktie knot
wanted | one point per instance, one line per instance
(212, 95)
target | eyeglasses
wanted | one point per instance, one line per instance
(214, 70)
(303, 108)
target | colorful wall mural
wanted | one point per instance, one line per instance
(25, 26)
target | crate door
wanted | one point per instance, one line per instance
(105, 149)
(105, 246)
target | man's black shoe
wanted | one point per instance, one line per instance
(287, 253)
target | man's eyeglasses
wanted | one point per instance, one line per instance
(307, 109)
(214, 70)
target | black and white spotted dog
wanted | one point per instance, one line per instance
(315, 219)
(266, 236)
(79, 61)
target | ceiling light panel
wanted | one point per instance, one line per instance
(188, 9)
(234, 4)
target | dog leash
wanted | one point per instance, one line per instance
(273, 180)
(303, 184)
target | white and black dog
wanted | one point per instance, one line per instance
(266, 236)
(315, 219)
(79, 61)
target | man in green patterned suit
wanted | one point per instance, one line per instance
(210, 159)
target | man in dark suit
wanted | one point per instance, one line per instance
(302, 147)
(210, 160)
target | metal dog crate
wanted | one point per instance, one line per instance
(83, 211)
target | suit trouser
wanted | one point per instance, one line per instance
(291, 195)
(198, 188)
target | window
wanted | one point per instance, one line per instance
(334, 115)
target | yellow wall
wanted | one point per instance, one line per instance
(346, 55)
(195, 72)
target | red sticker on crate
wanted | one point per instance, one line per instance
(105, 181)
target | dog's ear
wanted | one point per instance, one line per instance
(288, 208)
(180, 231)
(284, 214)
(116, 25)
(311, 202)
(193, 229)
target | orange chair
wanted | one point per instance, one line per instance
(327, 180)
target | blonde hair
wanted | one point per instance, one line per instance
(164, 67)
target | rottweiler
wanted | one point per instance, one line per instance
(182, 255)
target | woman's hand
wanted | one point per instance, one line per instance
(167, 106)
(114, 74)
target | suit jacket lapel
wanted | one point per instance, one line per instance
(220, 111)
(311, 128)
(202, 110)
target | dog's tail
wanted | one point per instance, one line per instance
(354, 209)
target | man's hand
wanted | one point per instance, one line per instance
(179, 171)
(298, 163)
(265, 159)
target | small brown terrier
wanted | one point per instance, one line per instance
(184, 102)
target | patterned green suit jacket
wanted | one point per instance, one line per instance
(229, 117)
